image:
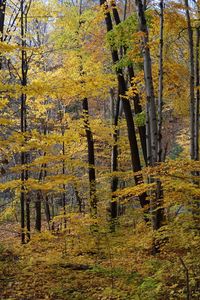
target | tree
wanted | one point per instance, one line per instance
(192, 78)
(136, 165)
(151, 125)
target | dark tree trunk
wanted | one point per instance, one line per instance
(23, 122)
(2, 17)
(114, 167)
(64, 187)
(138, 110)
(160, 84)
(47, 211)
(2, 21)
(128, 113)
(136, 99)
(28, 214)
(38, 202)
(192, 78)
(197, 57)
(38, 206)
(159, 214)
(149, 86)
(79, 200)
(152, 128)
(91, 159)
(38, 215)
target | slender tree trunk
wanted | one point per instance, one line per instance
(38, 203)
(28, 214)
(2, 17)
(78, 199)
(2, 21)
(136, 99)
(148, 84)
(192, 78)
(148, 135)
(160, 84)
(159, 214)
(153, 130)
(114, 166)
(38, 213)
(47, 211)
(91, 159)
(196, 141)
(138, 110)
(136, 165)
(64, 186)
(46, 200)
(23, 122)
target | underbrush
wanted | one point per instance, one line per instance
(82, 264)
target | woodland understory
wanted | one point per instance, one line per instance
(99, 150)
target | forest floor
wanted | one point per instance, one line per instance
(49, 267)
(85, 264)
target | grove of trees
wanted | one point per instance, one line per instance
(99, 149)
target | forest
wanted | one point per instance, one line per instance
(99, 149)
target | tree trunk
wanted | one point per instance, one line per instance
(2, 17)
(128, 113)
(114, 166)
(64, 186)
(91, 159)
(2, 21)
(192, 74)
(38, 206)
(47, 211)
(160, 84)
(136, 99)
(148, 84)
(153, 130)
(138, 110)
(23, 122)
(196, 141)
(159, 213)
(38, 215)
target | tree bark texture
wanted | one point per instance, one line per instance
(192, 79)
(160, 84)
(152, 156)
(197, 57)
(135, 158)
(91, 159)
(136, 99)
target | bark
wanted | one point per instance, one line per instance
(23, 124)
(91, 159)
(2, 17)
(114, 166)
(188, 297)
(159, 214)
(28, 214)
(138, 110)
(153, 130)
(136, 165)
(38, 215)
(136, 99)
(79, 200)
(160, 84)
(192, 77)
(2, 21)
(152, 155)
(196, 140)
(38, 206)
(47, 212)
(64, 186)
